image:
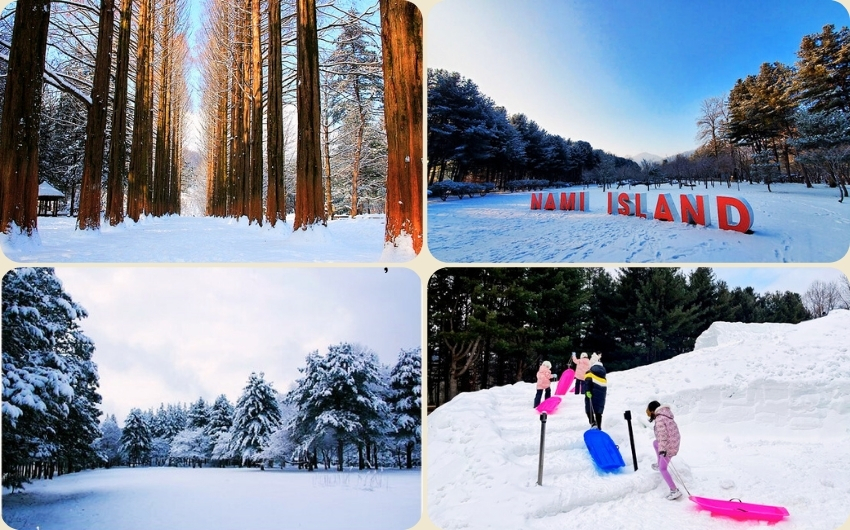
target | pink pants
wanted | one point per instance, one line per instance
(662, 467)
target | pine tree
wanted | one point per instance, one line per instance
(108, 446)
(136, 438)
(49, 380)
(220, 417)
(255, 417)
(198, 415)
(339, 395)
(405, 400)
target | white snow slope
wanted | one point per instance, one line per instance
(764, 414)
(791, 224)
(205, 239)
(217, 499)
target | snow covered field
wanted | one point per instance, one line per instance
(217, 499)
(204, 239)
(791, 224)
(764, 412)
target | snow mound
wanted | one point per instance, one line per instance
(764, 411)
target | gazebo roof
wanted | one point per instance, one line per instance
(46, 191)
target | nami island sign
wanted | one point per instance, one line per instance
(733, 213)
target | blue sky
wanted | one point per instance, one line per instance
(626, 75)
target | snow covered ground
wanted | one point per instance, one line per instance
(764, 412)
(204, 239)
(791, 224)
(217, 499)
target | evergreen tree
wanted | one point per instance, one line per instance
(49, 380)
(136, 438)
(220, 417)
(198, 415)
(339, 395)
(405, 401)
(255, 417)
(108, 446)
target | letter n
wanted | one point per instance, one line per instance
(725, 205)
(695, 211)
(665, 208)
(536, 201)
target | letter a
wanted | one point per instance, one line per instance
(550, 202)
(665, 209)
(725, 205)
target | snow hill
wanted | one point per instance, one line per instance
(764, 412)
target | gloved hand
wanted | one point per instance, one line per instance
(588, 394)
(662, 453)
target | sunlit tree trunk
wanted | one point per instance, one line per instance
(255, 200)
(401, 37)
(21, 116)
(90, 191)
(117, 149)
(309, 209)
(276, 188)
(139, 174)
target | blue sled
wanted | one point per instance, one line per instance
(603, 450)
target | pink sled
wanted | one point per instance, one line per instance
(741, 510)
(549, 405)
(565, 382)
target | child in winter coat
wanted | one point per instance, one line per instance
(544, 380)
(666, 442)
(596, 389)
(582, 366)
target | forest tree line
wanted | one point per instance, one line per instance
(319, 422)
(345, 402)
(787, 123)
(494, 326)
(109, 123)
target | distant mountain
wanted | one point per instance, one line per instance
(646, 156)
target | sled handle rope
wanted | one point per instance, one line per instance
(670, 463)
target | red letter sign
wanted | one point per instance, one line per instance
(695, 212)
(536, 201)
(724, 214)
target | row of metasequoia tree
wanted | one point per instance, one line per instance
(345, 408)
(111, 117)
(494, 326)
(259, 57)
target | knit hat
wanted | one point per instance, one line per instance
(584, 355)
(547, 364)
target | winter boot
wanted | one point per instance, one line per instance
(673, 495)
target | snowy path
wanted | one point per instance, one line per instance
(792, 224)
(764, 412)
(217, 499)
(203, 239)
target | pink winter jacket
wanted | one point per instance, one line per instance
(544, 377)
(666, 431)
(582, 366)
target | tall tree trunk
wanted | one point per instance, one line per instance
(90, 190)
(309, 209)
(139, 172)
(255, 204)
(326, 149)
(339, 445)
(21, 117)
(401, 38)
(162, 162)
(276, 188)
(245, 162)
(117, 147)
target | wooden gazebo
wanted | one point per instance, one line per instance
(48, 199)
